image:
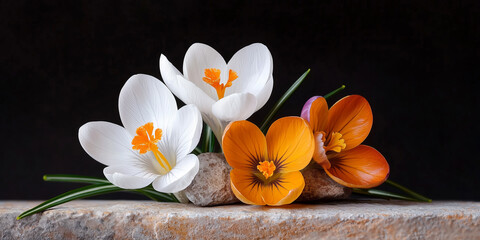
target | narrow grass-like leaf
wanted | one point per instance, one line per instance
(156, 196)
(382, 194)
(147, 191)
(83, 192)
(197, 151)
(207, 138)
(175, 199)
(328, 95)
(73, 178)
(281, 101)
(90, 191)
(211, 142)
(409, 192)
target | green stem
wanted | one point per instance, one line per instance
(334, 92)
(410, 192)
(281, 101)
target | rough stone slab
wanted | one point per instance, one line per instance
(360, 219)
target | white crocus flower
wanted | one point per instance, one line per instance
(223, 92)
(155, 145)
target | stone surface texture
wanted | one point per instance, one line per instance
(319, 186)
(354, 219)
(211, 186)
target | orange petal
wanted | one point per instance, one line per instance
(244, 145)
(319, 114)
(246, 186)
(284, 190)
(361, 167)
(290, 144)
(352, 117)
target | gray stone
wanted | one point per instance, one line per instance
(319, 186)
(354, 219)
(211, 186)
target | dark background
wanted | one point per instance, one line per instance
(63, 63)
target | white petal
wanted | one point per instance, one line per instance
(167, 69)
(186, 131)
(264, 95)
(184, 89)
(145, 99)
(198, 58)
(106, 142)
(238, 106)
(254, 66)
(183, 134)
(215, 124)
(179, 177)
(128, 177)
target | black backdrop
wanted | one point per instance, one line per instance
(63, 64)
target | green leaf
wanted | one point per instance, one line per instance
(281, 101)
(83, 192)
(328, 95)
(73, 178)
(156, 196)
(147, 191)
(408, 191)
(211, 143)
(93, 190)
(381, 194)
(208, 139)
(197, 151)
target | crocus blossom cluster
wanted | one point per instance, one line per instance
(155, 143)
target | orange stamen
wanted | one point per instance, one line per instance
(145, 141)
(212, 77)
(266, 168)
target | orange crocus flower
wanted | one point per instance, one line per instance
(338, 133)
(266, 170)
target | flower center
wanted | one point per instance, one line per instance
(212, 77)
(266, 168)
(334, 142)
(147, 141)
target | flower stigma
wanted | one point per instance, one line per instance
(147, 141)
(212, 77)
(266, 168)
